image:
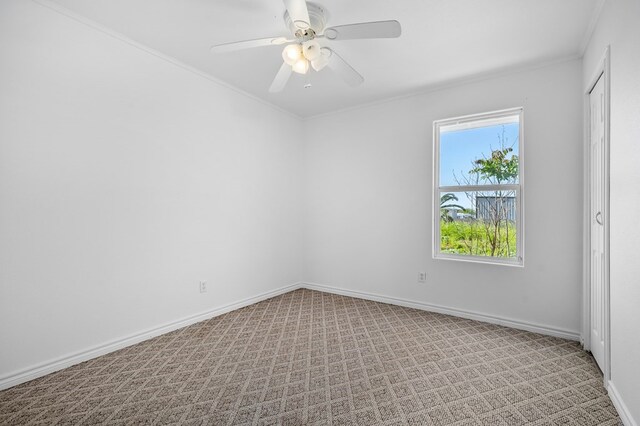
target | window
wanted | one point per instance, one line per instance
(477, 163)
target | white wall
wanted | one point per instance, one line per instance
(619, 27)
(368, 182)
(124, 180)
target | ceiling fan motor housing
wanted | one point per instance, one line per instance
(318, 18)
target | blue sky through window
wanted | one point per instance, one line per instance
(459, 148)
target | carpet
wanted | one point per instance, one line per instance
(313, 358)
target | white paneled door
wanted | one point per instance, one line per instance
(597, 172)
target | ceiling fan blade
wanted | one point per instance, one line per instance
(379, 29)
(298, 13)
(248, 44)
(281, 78)
(343, 69)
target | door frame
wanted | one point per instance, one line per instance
(602, 70)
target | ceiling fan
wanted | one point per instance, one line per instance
(307, 23)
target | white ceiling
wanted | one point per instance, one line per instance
(442, 41)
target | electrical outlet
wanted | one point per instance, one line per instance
(422, 277)
(203, 286)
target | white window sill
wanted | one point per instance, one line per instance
(481, 259)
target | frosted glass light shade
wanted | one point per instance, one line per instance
(322, 60)
(311, 50)
(292, 53)
(301, 66)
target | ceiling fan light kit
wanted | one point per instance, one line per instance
(298, 56)
(307, 23)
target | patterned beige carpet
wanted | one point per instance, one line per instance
(314, 358)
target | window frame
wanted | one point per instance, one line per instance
(463, 122)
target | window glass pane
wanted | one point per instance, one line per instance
(479, 223)
(481, 155)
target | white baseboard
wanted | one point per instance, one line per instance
(507, 322)
(621, 407)
(48, 367)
